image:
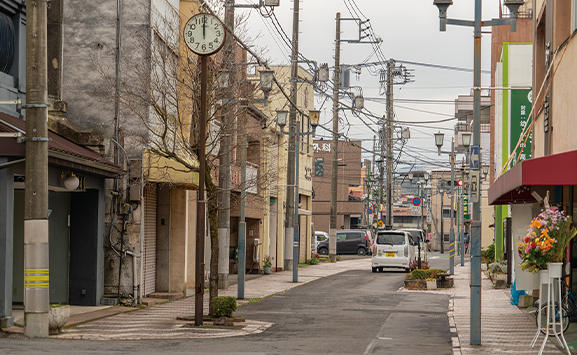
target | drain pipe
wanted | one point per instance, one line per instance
(135, 282)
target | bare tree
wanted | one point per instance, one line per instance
(160, 89)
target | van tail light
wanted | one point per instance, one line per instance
(365, 237)
(406, 250)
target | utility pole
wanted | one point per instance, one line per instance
(389, 141)
(225, 157)
(452, 231)
(36, 273)
(293, 150)
(371, 197)
(382, 141)
(334, 162)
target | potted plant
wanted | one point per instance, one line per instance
(546, 241)
(266, 265)
(431, 283)
(58, 315)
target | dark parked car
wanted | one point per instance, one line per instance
(349, 241)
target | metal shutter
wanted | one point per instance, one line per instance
(150, 198)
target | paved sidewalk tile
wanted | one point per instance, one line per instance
(504, 327)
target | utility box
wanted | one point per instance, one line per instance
(324, 73)
(272, 2)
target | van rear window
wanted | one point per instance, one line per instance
(394, 239)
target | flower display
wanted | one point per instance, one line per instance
(546, 240)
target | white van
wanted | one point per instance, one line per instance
(392, 249)
(419, 235)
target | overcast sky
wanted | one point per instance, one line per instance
(410, 32)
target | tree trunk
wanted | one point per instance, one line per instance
(214, 248)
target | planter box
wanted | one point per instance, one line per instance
(416, 284)
(445, 283)
(432, 285)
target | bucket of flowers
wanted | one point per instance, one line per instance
(546, 240)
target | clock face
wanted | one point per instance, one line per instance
(204, 34)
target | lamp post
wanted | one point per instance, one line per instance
(266, 80)
(477, 24)
(439, 137)
(281, 121)
(419, 223)
(466, 138)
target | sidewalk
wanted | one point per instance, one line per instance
(505, 329)
(159, 321)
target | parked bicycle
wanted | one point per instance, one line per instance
(569, 305)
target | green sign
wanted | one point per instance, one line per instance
(521, 103)
(466, 214)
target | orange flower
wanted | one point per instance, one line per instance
(535, 224)
(545, 232)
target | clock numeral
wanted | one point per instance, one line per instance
(197, 44)
(218, 33)
(192, 26)
(210, 45)
(215, 40)
(216, 26)
(191, 39)
(204, 47)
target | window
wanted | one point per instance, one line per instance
(394, 239)
(354, 236)
(447, 212)
(319, 166)
(341, 236)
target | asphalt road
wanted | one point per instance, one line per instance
(355, 312)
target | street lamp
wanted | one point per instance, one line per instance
(485, 170)
(266, 80)
(477, 24)
(439, 137)
(466, 137)
(281, 116)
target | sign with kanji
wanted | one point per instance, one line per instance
(520, 108)
(466, 214)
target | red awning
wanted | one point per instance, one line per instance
(551, 170)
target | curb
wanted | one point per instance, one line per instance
(452, 326)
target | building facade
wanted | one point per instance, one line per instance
(349, 207)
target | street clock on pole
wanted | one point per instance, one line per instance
(204, 34)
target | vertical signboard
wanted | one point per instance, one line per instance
(521, 103)
(466, 214)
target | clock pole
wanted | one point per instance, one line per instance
(201, 203)
(203, 46)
